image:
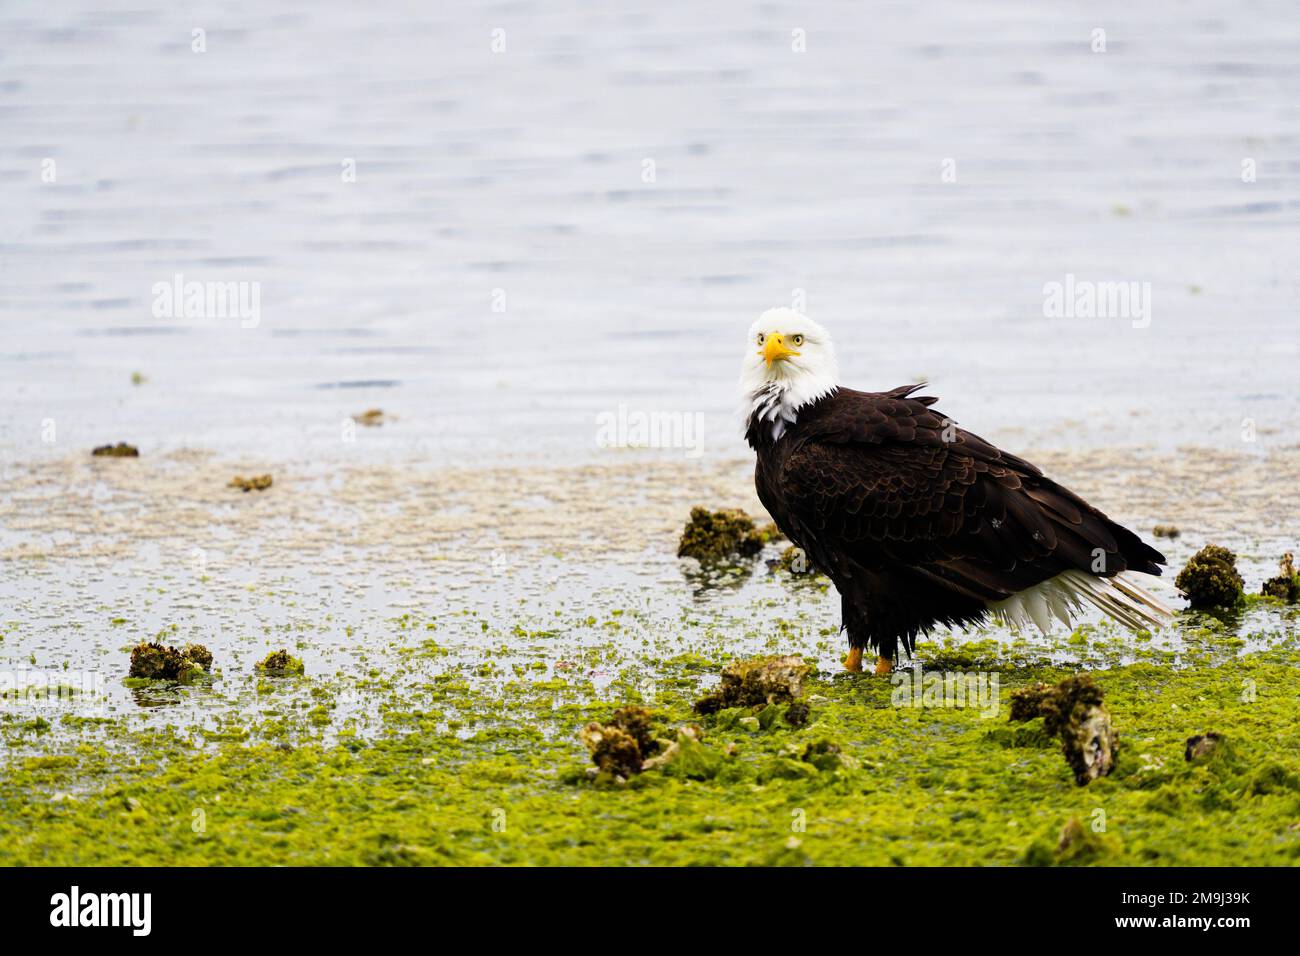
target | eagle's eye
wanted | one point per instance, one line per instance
(797, 340)
(761, 337)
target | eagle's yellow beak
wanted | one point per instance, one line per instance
(774, 348)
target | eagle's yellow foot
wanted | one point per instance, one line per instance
(854, 661)
(882, 665)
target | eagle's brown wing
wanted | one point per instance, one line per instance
(884, 480)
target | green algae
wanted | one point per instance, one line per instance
(862, 782)
(688, 756)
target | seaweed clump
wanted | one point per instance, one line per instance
(1166, 531)
(1210, 579)
(1073, 712)
(280, 664)
(827, 757)
(151, 660)
(254, 483)
(1027, 702)
(797, 714)
(621, 747)
(807, 762)
(614, 750)
(371, 417)
(1075, 845)
(1286, 586)
(120, 450)
(629, 745)
(761, 680)
(1207, 746)
(199, 655)
(713, 536)
(688, 756)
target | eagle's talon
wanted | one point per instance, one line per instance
(883, 666)
(853, 663)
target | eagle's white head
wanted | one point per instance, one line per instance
(789, 363)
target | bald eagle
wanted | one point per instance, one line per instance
(918, 522)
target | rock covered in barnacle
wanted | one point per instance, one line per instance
(151, 660)
(280, 664)
(199, 655)
(1210, 579)
(629, 745)
(761, 680)
(620, 748)
(120, 450)
(1286, 586)
(1027, 702)
(1073, 712)
(254, 483)
(613, 750)
(712, 536)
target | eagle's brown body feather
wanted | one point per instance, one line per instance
(918, 522)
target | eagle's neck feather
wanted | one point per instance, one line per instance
(778, 401)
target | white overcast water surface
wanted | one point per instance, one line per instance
(516, 179)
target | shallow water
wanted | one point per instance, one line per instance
(515, 180)
(355, 567)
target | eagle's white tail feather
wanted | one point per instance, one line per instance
(1062, 597)
(1163, 615)
(1061, 608)
(1036, 604)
